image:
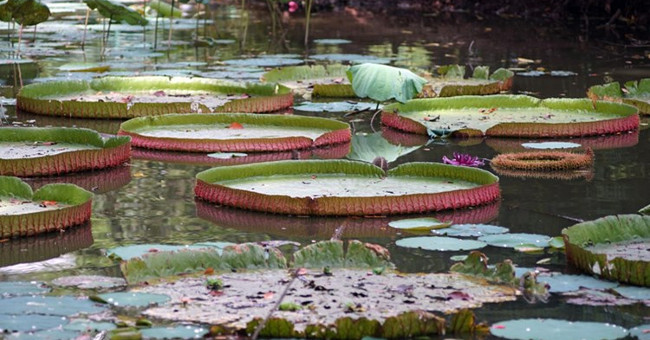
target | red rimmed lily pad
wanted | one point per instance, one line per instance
(234, 132)
(129, 97)
(48, 151)
(613, 247)
(346, 188)
(510, 116)
(453, 82)
(319, 80)
(52, 207)
(635, 93)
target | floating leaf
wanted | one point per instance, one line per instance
(178, 332)
(552, 329)
(89, 326)
(470, 230)
(423, 224)
(130, 299)
(439, 243)
(515, 240)
(641, 332)
(48, 305)
(561, 283)
(29, 322)
(551, 145)
(89, 282)
(635, 293)
(18, 288)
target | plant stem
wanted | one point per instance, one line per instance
(307, 17)
(171, 27)
(83, 40)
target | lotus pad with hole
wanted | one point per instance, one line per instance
(613, 247)
(510, 116)
(234, 132)
(129, 97)
(52, 207)
(52, 151)
(337, 187)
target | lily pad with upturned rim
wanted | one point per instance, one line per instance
(453, 82)
(593, 247)
(636, 93)
(52, 151)
(53, 207)
(336, 187)
(234, 132)
(510, 116)
(319, 80)
(130, 97)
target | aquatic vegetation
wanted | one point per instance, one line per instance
(463, 159)
(636, 92)
(234, 132)
(612, 247)
(381, 82)
(544, 160)
(49, 151)
(346, 188)
(510, 116)
(453, 82)
(53, 207)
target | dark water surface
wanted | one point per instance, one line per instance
(151, 200)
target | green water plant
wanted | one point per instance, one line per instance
(49, 151)
(112, 10)
(382, 82)
(337, 187)
(129, 97)
(53, 207)
(452, 82)
(510, 116)
(25, 13)
(328, 80)
(635, 92)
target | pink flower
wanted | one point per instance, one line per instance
(293, 6)
(463, 159)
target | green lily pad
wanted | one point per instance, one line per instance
(339, 187)
(138, 250)
(308, 106)
(177, 332)
(633, 292)
(234, 132)
(130, 299)
(636, 93)
(29, 151)
(30, 322)
(641, 332)
(515, 240)
(24, 12)
(48, 305)
(470, 230)
(89, 282)
(129, 97)
(83, 325)
(116, 11)
(352, 58)
(50, 334)
(453, 82)
(551, 145)
(84, 67)
(561, 283)
(510, 116)
(423, 224)
(382, 82)
(18, 288)
(439, 243)
(52, 207)
(552, 329)
(331, 254)
(331, 41)
(266, 61)
(367, 147)
(613, 247)
(319, 80)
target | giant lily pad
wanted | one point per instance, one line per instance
(321, 80)
(613, 247)
(234, 132)
(552, 329)
(510, 116)
(51, 208)
(381, 82)
(49, 151)
(140, 250)
(346, 188)
(129, 97)
(453, 82)
(636, 93)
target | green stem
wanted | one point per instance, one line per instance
(307, 17)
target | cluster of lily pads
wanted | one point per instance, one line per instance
(223, 120)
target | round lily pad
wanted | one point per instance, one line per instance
(266, 61)
(337, 187)
(633, 292)
(510, 116)
(17, 288)
(319, 80)
(552, 329)
(130, 299)
(334, 106)
(419, 224)
(89, 326)
(30, 322)
(439, 243)
(138, 250)
(52, 151)
(178, 332)
(89, 282)
(470, 230)
(129, 97)
(516, 240)
(352, 58)
(234, 132)
(64, 306)
(52, 207)
(550, 145)
(641, 332)
(561, 283)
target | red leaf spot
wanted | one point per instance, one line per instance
(48, 203)
(499, 326)
(209, 271)
(235, 125)
(153, 250)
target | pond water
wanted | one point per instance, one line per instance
(151, 199)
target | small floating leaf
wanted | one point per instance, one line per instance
(423, 224)
(18, 288)
(470, 230)
(178, 332)
(551, 145)
(129, 299)
(439, 243)
(552, 329)
(561, 283)
(515, 240)
(641, 332)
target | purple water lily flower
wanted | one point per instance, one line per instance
(463, 159)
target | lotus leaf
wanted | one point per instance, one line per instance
(470, 230)
(48, 151)
(320, 188)
(636, 93)
(52, 207)
(613, 247)
(382, 82)
(234, 132)
(131, 299)
(553, 329)
(439, 243)
(510, 116)
(116, 11)
(129, 97)
(516, 240)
